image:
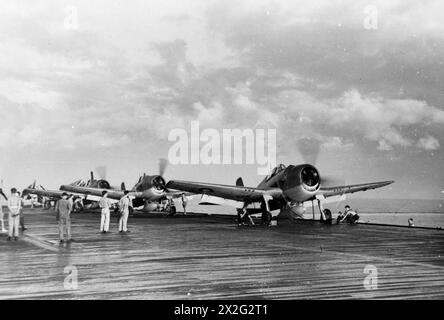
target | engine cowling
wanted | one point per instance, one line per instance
(151, 187)
(100, 184)
(103, 184)
(147, 182)
(300, 183)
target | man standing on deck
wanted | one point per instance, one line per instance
(124, 206)
(14, 206)
(184, 204)
(63, 211)
(22, 215)
(105, 204)
(1, 210)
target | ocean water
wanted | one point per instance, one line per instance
(425, 213)
(419, 219)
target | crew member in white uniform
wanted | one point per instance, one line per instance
(105, 204)
(124, 205)
(1, 210)
(184, 204)
(14, 206)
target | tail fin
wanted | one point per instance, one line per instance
(239, 182)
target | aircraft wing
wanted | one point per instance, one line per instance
(238, 193)
(92, 193)
(53, 194)
(340, 190)
(57, 194)
(178, 194)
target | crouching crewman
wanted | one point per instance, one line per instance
(349, 215)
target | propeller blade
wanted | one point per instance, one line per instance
(332, 181)
(309, 149)
(33, 184)
(101, 172)
(163, 163)
(122, 186)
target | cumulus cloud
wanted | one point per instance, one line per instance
(428, 143)
(328, 44)
(307, 70)
(302, 71)
(387, 122)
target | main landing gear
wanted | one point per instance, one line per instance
(266, 216)
(170, 208)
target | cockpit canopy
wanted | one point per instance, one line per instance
(79, 183)
(276, 170)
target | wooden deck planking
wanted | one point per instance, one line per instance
(210, 258)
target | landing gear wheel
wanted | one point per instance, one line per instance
(171, 211)
(266, 217)
(47, 205)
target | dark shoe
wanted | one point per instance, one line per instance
(9, 238)
(15, 238)
(61, 241)
(120, 231)
(24, 229)
(103, 231)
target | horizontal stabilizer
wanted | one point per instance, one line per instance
(239, 182)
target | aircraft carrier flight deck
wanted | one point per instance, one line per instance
(210, 257)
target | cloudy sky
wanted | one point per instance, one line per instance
(91, 83)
